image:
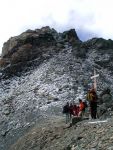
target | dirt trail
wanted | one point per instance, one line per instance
(55, 134)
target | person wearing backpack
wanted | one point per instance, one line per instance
(71, 110)
(66, 111)
(92, 98)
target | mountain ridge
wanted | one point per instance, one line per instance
(41, 70)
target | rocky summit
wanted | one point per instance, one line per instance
(40, 70)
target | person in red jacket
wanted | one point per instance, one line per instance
(75, 110)
(81, 108)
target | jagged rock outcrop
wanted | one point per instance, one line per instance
(40, 43)
(98, 43)
(32, 44)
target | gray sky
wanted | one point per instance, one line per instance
(90, 18)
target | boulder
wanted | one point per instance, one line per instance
(76, 119)
(106, 103)
(106, 97)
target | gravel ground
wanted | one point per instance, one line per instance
(55, 134)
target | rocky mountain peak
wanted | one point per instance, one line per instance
(41, 43)
(39, 37)
(40, 71)
(32, 44)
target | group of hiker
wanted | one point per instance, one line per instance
(78, 110)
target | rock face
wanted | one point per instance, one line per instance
(41, 43)
(41, 70)
(32, 44)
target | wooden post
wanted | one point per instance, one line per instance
(94, 77)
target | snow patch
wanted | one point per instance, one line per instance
(99, 121)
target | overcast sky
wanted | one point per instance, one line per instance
(90, 18)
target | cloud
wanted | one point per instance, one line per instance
(89, 17)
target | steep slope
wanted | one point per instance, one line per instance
(41, 70)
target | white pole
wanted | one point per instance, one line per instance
(95, 81)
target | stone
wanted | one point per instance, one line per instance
(6, 109)
(110, 148)
(75, 120)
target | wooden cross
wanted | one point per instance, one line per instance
(94, 77)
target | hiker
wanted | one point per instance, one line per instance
(92, 98)
(85, 104)
(81, 108)
(75, 110)
(71, 110)
(66, 111)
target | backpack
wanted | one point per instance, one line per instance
(89, 96)
(85, 104)
(92, 96)
(65, 109)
